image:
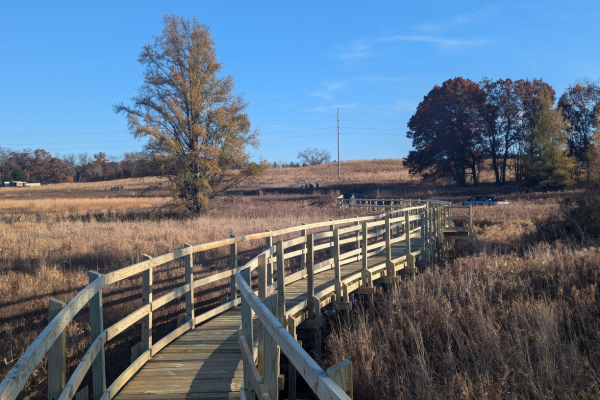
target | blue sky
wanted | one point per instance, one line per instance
(64, 64)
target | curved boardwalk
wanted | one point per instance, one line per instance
(206, 363)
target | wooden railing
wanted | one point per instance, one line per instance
(425, 219)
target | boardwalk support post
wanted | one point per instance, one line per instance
(97, 326)
(247, 331)
(57, 355)
(189, 279)
(147, 281)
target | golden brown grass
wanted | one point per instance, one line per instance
(356, 171)
(48, 253)
(514, 315)
(79, 204)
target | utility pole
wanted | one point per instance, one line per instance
(338, 113)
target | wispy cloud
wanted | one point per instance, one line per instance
(328, 89)
(446, 41)
(459, 20)
(330, 108)
(356, 50)
(437, 33)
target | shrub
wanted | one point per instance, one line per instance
(584, 217)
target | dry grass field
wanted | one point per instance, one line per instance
(52, 235)
(514, 314)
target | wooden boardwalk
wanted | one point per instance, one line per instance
(206, 363)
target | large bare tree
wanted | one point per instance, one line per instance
(197, 128)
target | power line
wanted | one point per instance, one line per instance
(368, 120)
(48, 122)
(372, 129)
(64, 134)
(301, 130)
(45, 144)
(294, 123)
(290, 137)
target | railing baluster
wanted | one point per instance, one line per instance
(310, 275)
(189, 279)
(410, 261)
(247, 331)
(233, 263)
(388, 248)
(336, 260)
(262, 293)
(57, 355)
(280, 284)
(303, 247)
(97, 326)
(271, 353)
(147, 282)
(269, 244)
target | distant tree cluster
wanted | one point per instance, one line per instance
(39, 166)
(514, 124)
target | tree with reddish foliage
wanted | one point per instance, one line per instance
(580, 105)
(447, 132)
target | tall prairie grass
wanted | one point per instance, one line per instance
(514, 314)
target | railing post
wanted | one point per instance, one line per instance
(147, 282)
(365, 261)
(189, 279)
(341, 373)
(331, 228)
(262, 293)
(388, 248)
(97, 326)
(233, 263)
(318, 317)
(357, 234)
(310, 274)
(470, 219)
(336, 260)
(280, 284)
(57, 355)
(269, 265)
(291, 325)
(271, 354)
(247, 331)
(423, 236)
(410, 261)
(303, 247)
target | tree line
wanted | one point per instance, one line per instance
(40, 166)
(516, 126)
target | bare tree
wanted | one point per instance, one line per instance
(83, 160)
(314, 156)
(4, 157)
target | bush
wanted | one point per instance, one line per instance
(584, 217)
